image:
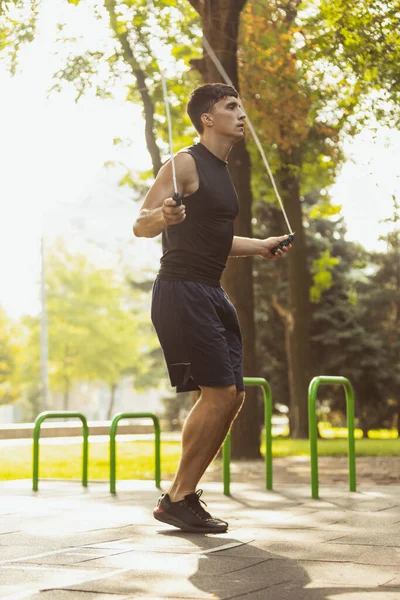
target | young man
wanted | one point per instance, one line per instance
(196, 323)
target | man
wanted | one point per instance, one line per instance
(196, 323)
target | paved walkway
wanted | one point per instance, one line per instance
(67, 543)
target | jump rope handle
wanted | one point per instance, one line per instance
(283, 244)
(178, 198)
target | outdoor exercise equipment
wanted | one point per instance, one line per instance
(226, 448)
(66, 414)
(157, 445)
(312, 424)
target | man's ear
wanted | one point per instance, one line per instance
(207, 120)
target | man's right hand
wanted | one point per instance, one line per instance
(173, 214)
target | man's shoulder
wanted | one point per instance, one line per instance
(185, 159)
(187, 151)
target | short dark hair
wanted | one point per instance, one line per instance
(203, 98)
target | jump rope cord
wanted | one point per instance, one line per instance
(227, 80)
(169, 121)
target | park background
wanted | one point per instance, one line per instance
(80, 82)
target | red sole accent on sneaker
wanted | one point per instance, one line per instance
(158, 509)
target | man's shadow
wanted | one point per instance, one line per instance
(242, 570)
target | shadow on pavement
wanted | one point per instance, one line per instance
(247, 572)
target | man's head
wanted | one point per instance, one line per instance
(216, 106)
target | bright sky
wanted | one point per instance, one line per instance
(52, 154)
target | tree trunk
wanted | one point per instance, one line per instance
(298, 326)
(113, 389)
(220, 21)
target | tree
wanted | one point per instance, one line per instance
(220, 24)
(10, 360)
(132, 59)
(382, 320)
(301, 102)
(133, 26)
(364, 39)
(96, 332)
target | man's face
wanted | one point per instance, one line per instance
(227, 118)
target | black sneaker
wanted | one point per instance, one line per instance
(188, 514)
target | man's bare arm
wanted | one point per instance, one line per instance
(242, 246)
(159, 210)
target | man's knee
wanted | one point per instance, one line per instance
(223, 394)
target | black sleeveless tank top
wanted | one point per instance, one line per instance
(197, 249)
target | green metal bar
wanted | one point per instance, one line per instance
(113, 454)
(312, 432)
(36, 435)
(312, 424)
(350, 434)
(226, 464)
(226, 448)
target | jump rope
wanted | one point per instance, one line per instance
(176, 195)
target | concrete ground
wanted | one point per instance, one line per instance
(67, 543)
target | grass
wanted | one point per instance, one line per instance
(135, 460)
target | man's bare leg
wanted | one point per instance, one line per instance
(202, 436)
(240, 396)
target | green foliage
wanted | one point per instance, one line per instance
(142, 39)
(10, 360)
(95, 331)
(96, 327)
(324, 209)
(18, 20)
(354, 327)
(322, 275)
(364, 39)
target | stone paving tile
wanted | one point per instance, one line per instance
(8, 531)
(73, 542)
(196, 584)
(388, 538)
(73, 595)
(265, 536)
(376, 498)
(73, 556)
(291, 591)
(173, 541)
(267, 518)
(17, 579)
(55, 540)
(349, 573)
(364, 505)
(334, 552)
(178, 563)
(343, 519)
(395, 582)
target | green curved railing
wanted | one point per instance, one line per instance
(226, 448)
(312, 424)
(36, 435)
(157, 445)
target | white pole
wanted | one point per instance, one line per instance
(44, 341)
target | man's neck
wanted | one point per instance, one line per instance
(219, 147)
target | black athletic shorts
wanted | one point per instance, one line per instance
(199, 332)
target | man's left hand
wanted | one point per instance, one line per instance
(270, 243)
